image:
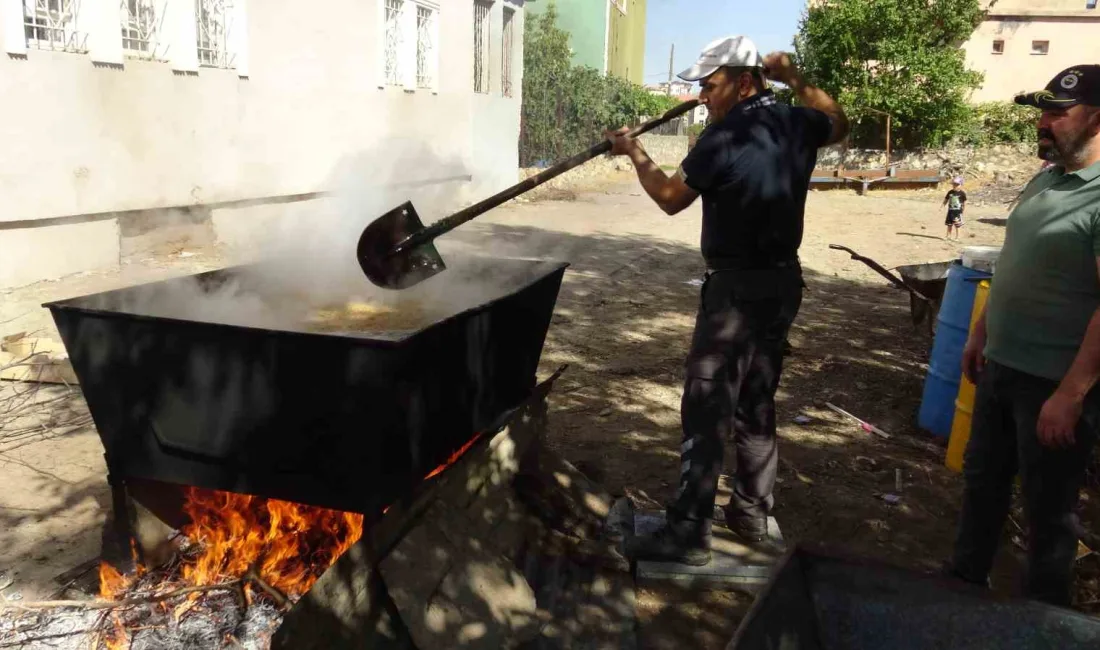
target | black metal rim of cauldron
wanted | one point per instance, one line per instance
(73, 305)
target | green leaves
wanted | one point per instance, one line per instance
(1001, 122)
(567, 108)
(901, 57)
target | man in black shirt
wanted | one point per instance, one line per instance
(752, 168)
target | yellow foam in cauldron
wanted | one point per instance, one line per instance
(366, 317)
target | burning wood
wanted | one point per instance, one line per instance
(236, 547)
(292, 544)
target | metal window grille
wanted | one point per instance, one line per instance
(212, 17)
(51, 25)
(393, 41)
(481, 45)
(507, 52)
(425, 46)
(139, 26)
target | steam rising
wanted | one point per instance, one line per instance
(304, 255)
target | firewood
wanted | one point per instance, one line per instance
(252, 576)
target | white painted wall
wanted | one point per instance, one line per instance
(1074, 40)
(82, 138)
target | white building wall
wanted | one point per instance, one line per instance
(1073, 38)
(84, 138)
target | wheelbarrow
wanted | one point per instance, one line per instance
(924, 282)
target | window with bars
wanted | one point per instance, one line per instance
(507, 51)
(482, 9)
(212, 19)
(409, 52)
(393, 36)
(139, 27)
(425, 47)
(52, 25)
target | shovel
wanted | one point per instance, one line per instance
(397, 251)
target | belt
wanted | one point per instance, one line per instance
(727, 264)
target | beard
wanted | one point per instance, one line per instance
(1059, 150)
(1048, 147)
(1048, 151)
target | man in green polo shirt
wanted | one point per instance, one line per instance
(1035, 352)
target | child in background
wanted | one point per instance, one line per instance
(956, 203)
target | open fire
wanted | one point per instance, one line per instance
(243, 542)
(281, 547)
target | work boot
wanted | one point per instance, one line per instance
(747, 527)
(949, 571)
(684, 542)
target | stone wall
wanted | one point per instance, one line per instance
(666, 150)
(1004, 164)
(999, 163)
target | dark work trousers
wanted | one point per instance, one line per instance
(1003, 441)
(732, 376)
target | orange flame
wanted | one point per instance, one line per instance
(112, 584)
(116, 638)
(290, 544)
(453, 458)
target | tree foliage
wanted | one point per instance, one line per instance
(566, 108)
(900, 57)
(1001, 122)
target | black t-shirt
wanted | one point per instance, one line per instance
(955, 206)
(753, 170)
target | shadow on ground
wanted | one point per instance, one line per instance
(623, 322)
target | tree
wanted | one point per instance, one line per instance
(545, 71)
(901, 57)
(566, 108)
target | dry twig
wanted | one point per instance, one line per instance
(252, 576)
(125, 602)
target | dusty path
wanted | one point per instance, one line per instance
(623, 322)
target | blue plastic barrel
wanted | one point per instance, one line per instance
(941, 385)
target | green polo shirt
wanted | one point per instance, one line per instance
(1045, 288)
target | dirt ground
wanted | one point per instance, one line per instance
(623, 322)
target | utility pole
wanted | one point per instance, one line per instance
(671, 53)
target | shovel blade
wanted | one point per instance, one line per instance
(392, 269)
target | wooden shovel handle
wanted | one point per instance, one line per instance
(457, 219)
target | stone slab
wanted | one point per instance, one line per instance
(733, 563)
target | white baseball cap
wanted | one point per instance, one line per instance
(733, 51)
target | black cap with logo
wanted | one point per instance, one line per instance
(1077, 85)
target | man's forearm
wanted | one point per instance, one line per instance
(1085, 370)
(650, 175)
(814, 97)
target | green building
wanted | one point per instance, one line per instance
(608, 35)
